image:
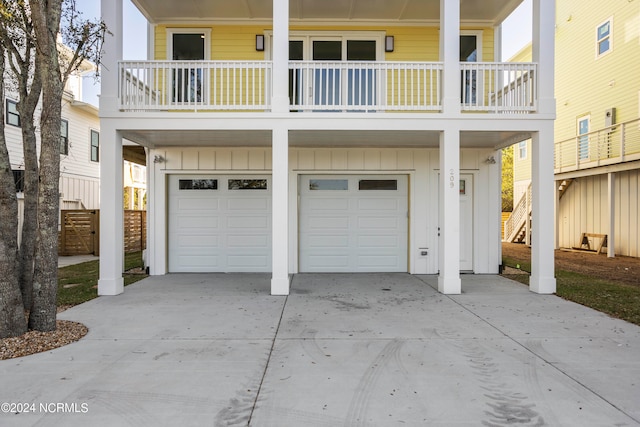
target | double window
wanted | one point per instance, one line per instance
(13, 117)
(603, 38)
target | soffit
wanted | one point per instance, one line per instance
(317, 138)
(489, 11)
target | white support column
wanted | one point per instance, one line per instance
(542, 279)
(449, 213)
(111, 211)
(543, 47)
(280, 56)
(556, 214)
(611, 191)
(280, 212)
(111, 11)
(450, 55)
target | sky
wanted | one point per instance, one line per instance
(516, 34)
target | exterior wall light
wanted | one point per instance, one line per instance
(388, 44)
(158, 159)
(259, 42)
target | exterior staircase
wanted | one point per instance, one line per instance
(519, 222)
(516, 226)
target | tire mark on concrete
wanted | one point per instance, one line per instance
(506, 406)
(360, 402)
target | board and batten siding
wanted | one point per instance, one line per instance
(584, 209)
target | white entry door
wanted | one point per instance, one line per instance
(353, 223)
(219, 223)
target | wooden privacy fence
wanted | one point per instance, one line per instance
(80, 231)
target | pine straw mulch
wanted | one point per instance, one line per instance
(36, 342)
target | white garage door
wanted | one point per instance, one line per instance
(353, 223)
(219, 223)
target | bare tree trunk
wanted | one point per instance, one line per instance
(28, 102)
(12, 319)
(46, 19)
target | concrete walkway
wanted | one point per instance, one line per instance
(64, 261)
(341, 350)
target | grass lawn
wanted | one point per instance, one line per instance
(79, 283)
(615, 299)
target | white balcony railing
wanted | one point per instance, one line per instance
(195, 85)
(499, 87)
(365, 86)
(610, 145)
(323, 86)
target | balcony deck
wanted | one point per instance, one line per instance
(324, 86)
(611, 145)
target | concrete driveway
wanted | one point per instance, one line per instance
(341, 350)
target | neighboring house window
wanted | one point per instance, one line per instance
(583, 138)
(603, 38)
(95, 146)
(13, 117)
(522, 150)
(64, 137)
(18, 177)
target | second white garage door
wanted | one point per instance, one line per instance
(353, 223)
(219, 223)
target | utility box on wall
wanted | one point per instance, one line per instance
(609, 117)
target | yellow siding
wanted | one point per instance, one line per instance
(521, 167)
(586, 85)
(230, 42)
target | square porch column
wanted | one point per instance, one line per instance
(542, 49)
(111, 281)
(280, 212)
(111, 14)
(280, 57)
(450, 55)
(542, 280)
(611, 202)
(449, 213)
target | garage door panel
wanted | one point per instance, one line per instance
(197, 241)
(328, 204)
(185, 222)
(248, 241)
(383, 223)
(379, 241)
(370, 261)
(248, 222)
(191, 205)
(328, 223)
(248, 262)
(328, 241)
(198, 261)
(377, 205)
(329, 262)
(261, 204)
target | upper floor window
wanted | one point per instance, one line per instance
(603, 38)
(18, 177)
(95, 146)
(64, 137)
(522, 150)
(13, 117)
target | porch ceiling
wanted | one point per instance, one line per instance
(490, 11)
(318, 138)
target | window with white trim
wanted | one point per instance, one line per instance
(522, 150)
(13, 116)
(64, 137)
(95, 146)
(603, 38)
